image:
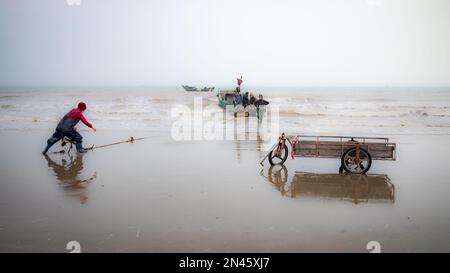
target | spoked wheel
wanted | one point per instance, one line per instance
(353, 163)
(278, 156)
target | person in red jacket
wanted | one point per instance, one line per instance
(66, 128)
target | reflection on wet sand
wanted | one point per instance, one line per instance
(67, 174)
(356, 188)
(243, 143)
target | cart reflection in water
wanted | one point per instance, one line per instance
(356, 188)
(67, 173)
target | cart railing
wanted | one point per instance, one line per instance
(356, 152)
(335, 146)
(361, 139)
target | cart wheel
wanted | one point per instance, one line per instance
(349, 163)
(279, 159)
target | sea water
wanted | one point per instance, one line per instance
(303, 110)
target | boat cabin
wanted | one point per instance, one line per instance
(226, 97)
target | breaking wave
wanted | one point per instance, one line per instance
(371, 111)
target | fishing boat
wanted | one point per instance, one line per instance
(195, 89)
(207, 89)
(226, 97)
(189, 88)
(226, 100)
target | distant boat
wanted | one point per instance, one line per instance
(207, 89)
(195, 89)
(189, 88)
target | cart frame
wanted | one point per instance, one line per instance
(356, 153)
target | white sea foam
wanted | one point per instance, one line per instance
(353, 111)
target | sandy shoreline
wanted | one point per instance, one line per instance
(211, 197)
(207, 89)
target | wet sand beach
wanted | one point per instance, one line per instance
(178, 103)
(162, 195)
(213, 197)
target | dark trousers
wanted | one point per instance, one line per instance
(72, 135)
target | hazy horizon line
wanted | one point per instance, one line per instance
(231, 86)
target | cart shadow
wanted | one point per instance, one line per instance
(67, 173)
(356, 188)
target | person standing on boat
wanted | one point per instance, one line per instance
(238, 97)
(66, 128)
(252, 99)
(239, 82)
(260, 101)
(245, 100)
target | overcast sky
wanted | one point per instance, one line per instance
(210, 42)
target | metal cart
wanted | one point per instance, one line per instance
(356, 153)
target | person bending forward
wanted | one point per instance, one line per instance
(66, 128)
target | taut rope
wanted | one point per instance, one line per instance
(64, 140)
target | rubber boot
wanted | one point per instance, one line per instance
(80, 148)
(49, 144)
(46, 149)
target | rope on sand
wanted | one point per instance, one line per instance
(130, 140)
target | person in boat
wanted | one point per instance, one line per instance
(238, 97)
(260, 101)
(66, 128)
(252, 100)
(239, 81)
(245, 100)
